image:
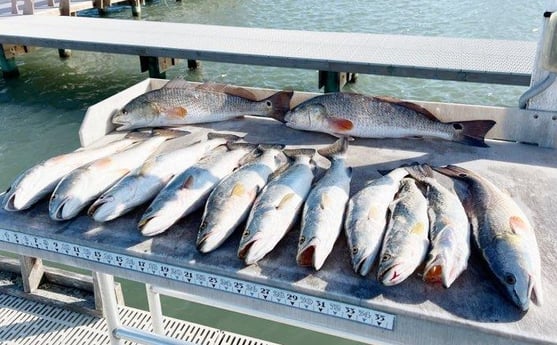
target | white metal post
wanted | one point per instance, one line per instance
(155, 308)
(110, 307)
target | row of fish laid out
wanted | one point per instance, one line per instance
(340, 114)
(400, 217)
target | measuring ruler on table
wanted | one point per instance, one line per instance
(212, 281)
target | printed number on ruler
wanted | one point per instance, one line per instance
(259, 291)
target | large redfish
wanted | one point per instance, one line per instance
(350, 114)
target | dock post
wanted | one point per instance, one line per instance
(156, 66)
(332, 81)
(29, 7)
(136, 7)
(8, 65)
(64, 11)
(110, 307)
(155, 308)
(31, 273)
(193, 64)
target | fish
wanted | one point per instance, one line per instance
(406, 240)
(357, 115)
(188, 191)
(180, 103)
(366, 219)
(83, 185)
(449, 230)
(229, 203)
(504, 236)
(137, 188)
(324, 208)
(38, 181)
(277, 207)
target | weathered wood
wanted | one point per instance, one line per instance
(193, 64)
(118, 292)
(31, 273)
(156, 66)
(8, 65)
(332, 81)
(493, 61)
(28, 6)
(136, 7)
(14, 7)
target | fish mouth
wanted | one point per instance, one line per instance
(204, 243)
(252, 251)
(8, 201)
(58, 212)
(151, 225)
(363, 266)
(309, 255)
(99, 213)
(392, 275)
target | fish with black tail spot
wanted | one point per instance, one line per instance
(356, 115)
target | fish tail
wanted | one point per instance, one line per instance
(169, 133)
(419, 172)
(338, 148)
(280, 104)
(265, 147)
(292, 153)
(455, 171)
(228, 137)
(472, 132)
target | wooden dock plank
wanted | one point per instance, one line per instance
(476, 60)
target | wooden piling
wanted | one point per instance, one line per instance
(136, 7)
(193, 64)
(332, 81)
(8, 65)
(29, 7)
(31, 273)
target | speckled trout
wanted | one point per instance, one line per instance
(40, 180)
(449, 230)
(504, 235)
(229, 203)
(350, 114)
(406, 238)
(366, 219)
(187, 191)
(324, 208)
(83, 185)
(277, 207)
(142, 185)
(180, 103)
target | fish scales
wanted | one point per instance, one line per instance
(504, 236)
(406, 239)
(276, 209)
(366, 219)
(229, 203)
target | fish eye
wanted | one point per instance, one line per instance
(385, 257)
(510, 279)
(302, 239)
(457, 126)
(246, 233)
(124, 111)
(203, 226)
(269, 104)
(462, 175)
(355, 250)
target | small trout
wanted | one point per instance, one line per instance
(324, 208)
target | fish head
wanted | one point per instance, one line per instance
(310, 116)
(63, 207)
(512, 267)
(210, 236)
(136, 114)
(9, 198)
(254, 245)
(362, 258)
(393, 269)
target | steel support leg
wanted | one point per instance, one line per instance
(154, 301)
(110, 307)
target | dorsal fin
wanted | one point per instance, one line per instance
(240, 92)
(179, 83)
(409, 105)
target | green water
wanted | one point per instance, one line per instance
(40, 112)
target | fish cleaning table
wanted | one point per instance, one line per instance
(333, 300)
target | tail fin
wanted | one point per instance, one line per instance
(338, 148)
(291, 153)
(472, 132)
(228, 137)
(420, 172)
(280, 104)
(264, 147)
(455, 171)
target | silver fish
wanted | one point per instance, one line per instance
(137, 188)
(324, 208)
(229, 203)
(83, 185)
(449, 230)
(180, 103)
(276, 208)
(504, 236)
(40, 180)
(366, 219)
(346, 114)
(187, 191)
(406, 238)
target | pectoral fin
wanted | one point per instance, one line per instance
(339, 124)
(176, 112)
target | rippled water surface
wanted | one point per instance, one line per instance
(41, 111)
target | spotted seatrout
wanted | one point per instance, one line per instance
(406, 238)
(504, 235)
(40, 180)
(180, 103)
(277, 208)
(229, 203)
(449, 230)
(83, 185)
(349, 114)
(141, 186)
(187, 191)
(324, 208)
(366, 219)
